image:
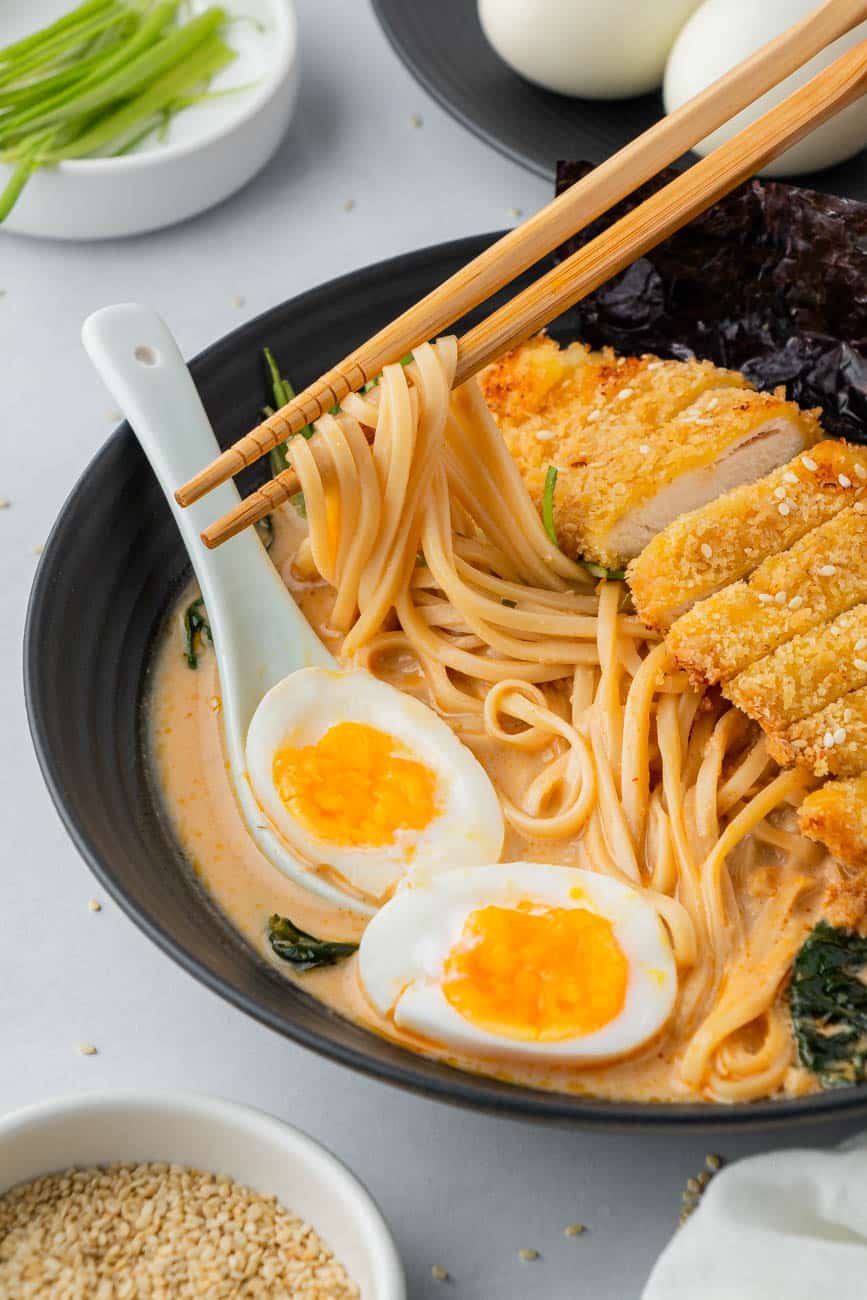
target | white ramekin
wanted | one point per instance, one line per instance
(212, 151)
(221, 1136)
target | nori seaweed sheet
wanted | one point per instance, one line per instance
(771, 281)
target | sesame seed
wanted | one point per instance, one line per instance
(703, 1178)
(4, 504)
(780, 598)
(844, 480)
(706, 550)
(789, 477)
(692, 1185)
(624, 393)
(784, 508)
(800, 743)
(847, 715)
(439, 1274)
(574, 1230)
(528, 1255)
(38, 548)
(238, 300)
(861, 643)
(713, 1162)
(94, 905)
(158, 1230)
(809, 463)
(780, 493)
(796, 602)
(840, 736)
(861, 665)
(860, 507)
(861, 471)
(114, 414)
(765, 597)
(515, 213)
(828, 740)
(348, 205)
(644, 448)
(416, 120)
(594, 415)
(87, 1049)
(545, 435)
(827, 570)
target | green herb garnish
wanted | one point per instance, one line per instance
(828, 1001)
(548, 504)
(600, 571)
(282, 393)
(99, 80)
(197, 630)
(302, 949)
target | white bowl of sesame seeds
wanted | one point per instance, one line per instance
(185, 1195)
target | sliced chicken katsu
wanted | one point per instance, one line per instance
(812, 582)
(832, 742)
(705, 550)
(804, 675)
(636, 440)
(836, 816)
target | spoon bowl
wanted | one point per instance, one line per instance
(260, 635)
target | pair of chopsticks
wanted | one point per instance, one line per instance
(647, 225)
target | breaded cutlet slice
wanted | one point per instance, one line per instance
(706, 549)
(804, 675)
(832, 742)
(818, 578)
(836, 816)
(601, 420)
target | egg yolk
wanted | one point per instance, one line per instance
(537, 975)
(352, 788)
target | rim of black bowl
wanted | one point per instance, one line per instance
(407, 1071)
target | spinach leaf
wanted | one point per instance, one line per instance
(302, 949)
(196, 630)
(828, 1001)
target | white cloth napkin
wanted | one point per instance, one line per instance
(790, 1225)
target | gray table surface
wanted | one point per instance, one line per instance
(459, 1189)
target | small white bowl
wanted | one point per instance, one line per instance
(211, 149)
(220, 1136)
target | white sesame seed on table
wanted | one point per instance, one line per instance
(462, 1190)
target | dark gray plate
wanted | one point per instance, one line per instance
(105, 582)
(442, 44)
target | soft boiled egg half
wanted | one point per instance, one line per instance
(365, 781)
(520, 961)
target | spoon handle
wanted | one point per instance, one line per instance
(259, 633)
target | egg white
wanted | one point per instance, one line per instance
(300, 709)
(405, 947)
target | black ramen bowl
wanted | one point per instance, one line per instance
(110, 570)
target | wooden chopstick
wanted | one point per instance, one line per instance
(633, 235)
(521, 248)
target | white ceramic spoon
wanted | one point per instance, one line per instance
(260, 635)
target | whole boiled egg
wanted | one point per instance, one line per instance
(724, 32)
(365, 781)
(520, 961)
(597, 49)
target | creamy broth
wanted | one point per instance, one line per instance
(190, 769)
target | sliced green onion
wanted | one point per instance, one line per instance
(100, 80)
(282, 393)
(600, 571)
(548, 504)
